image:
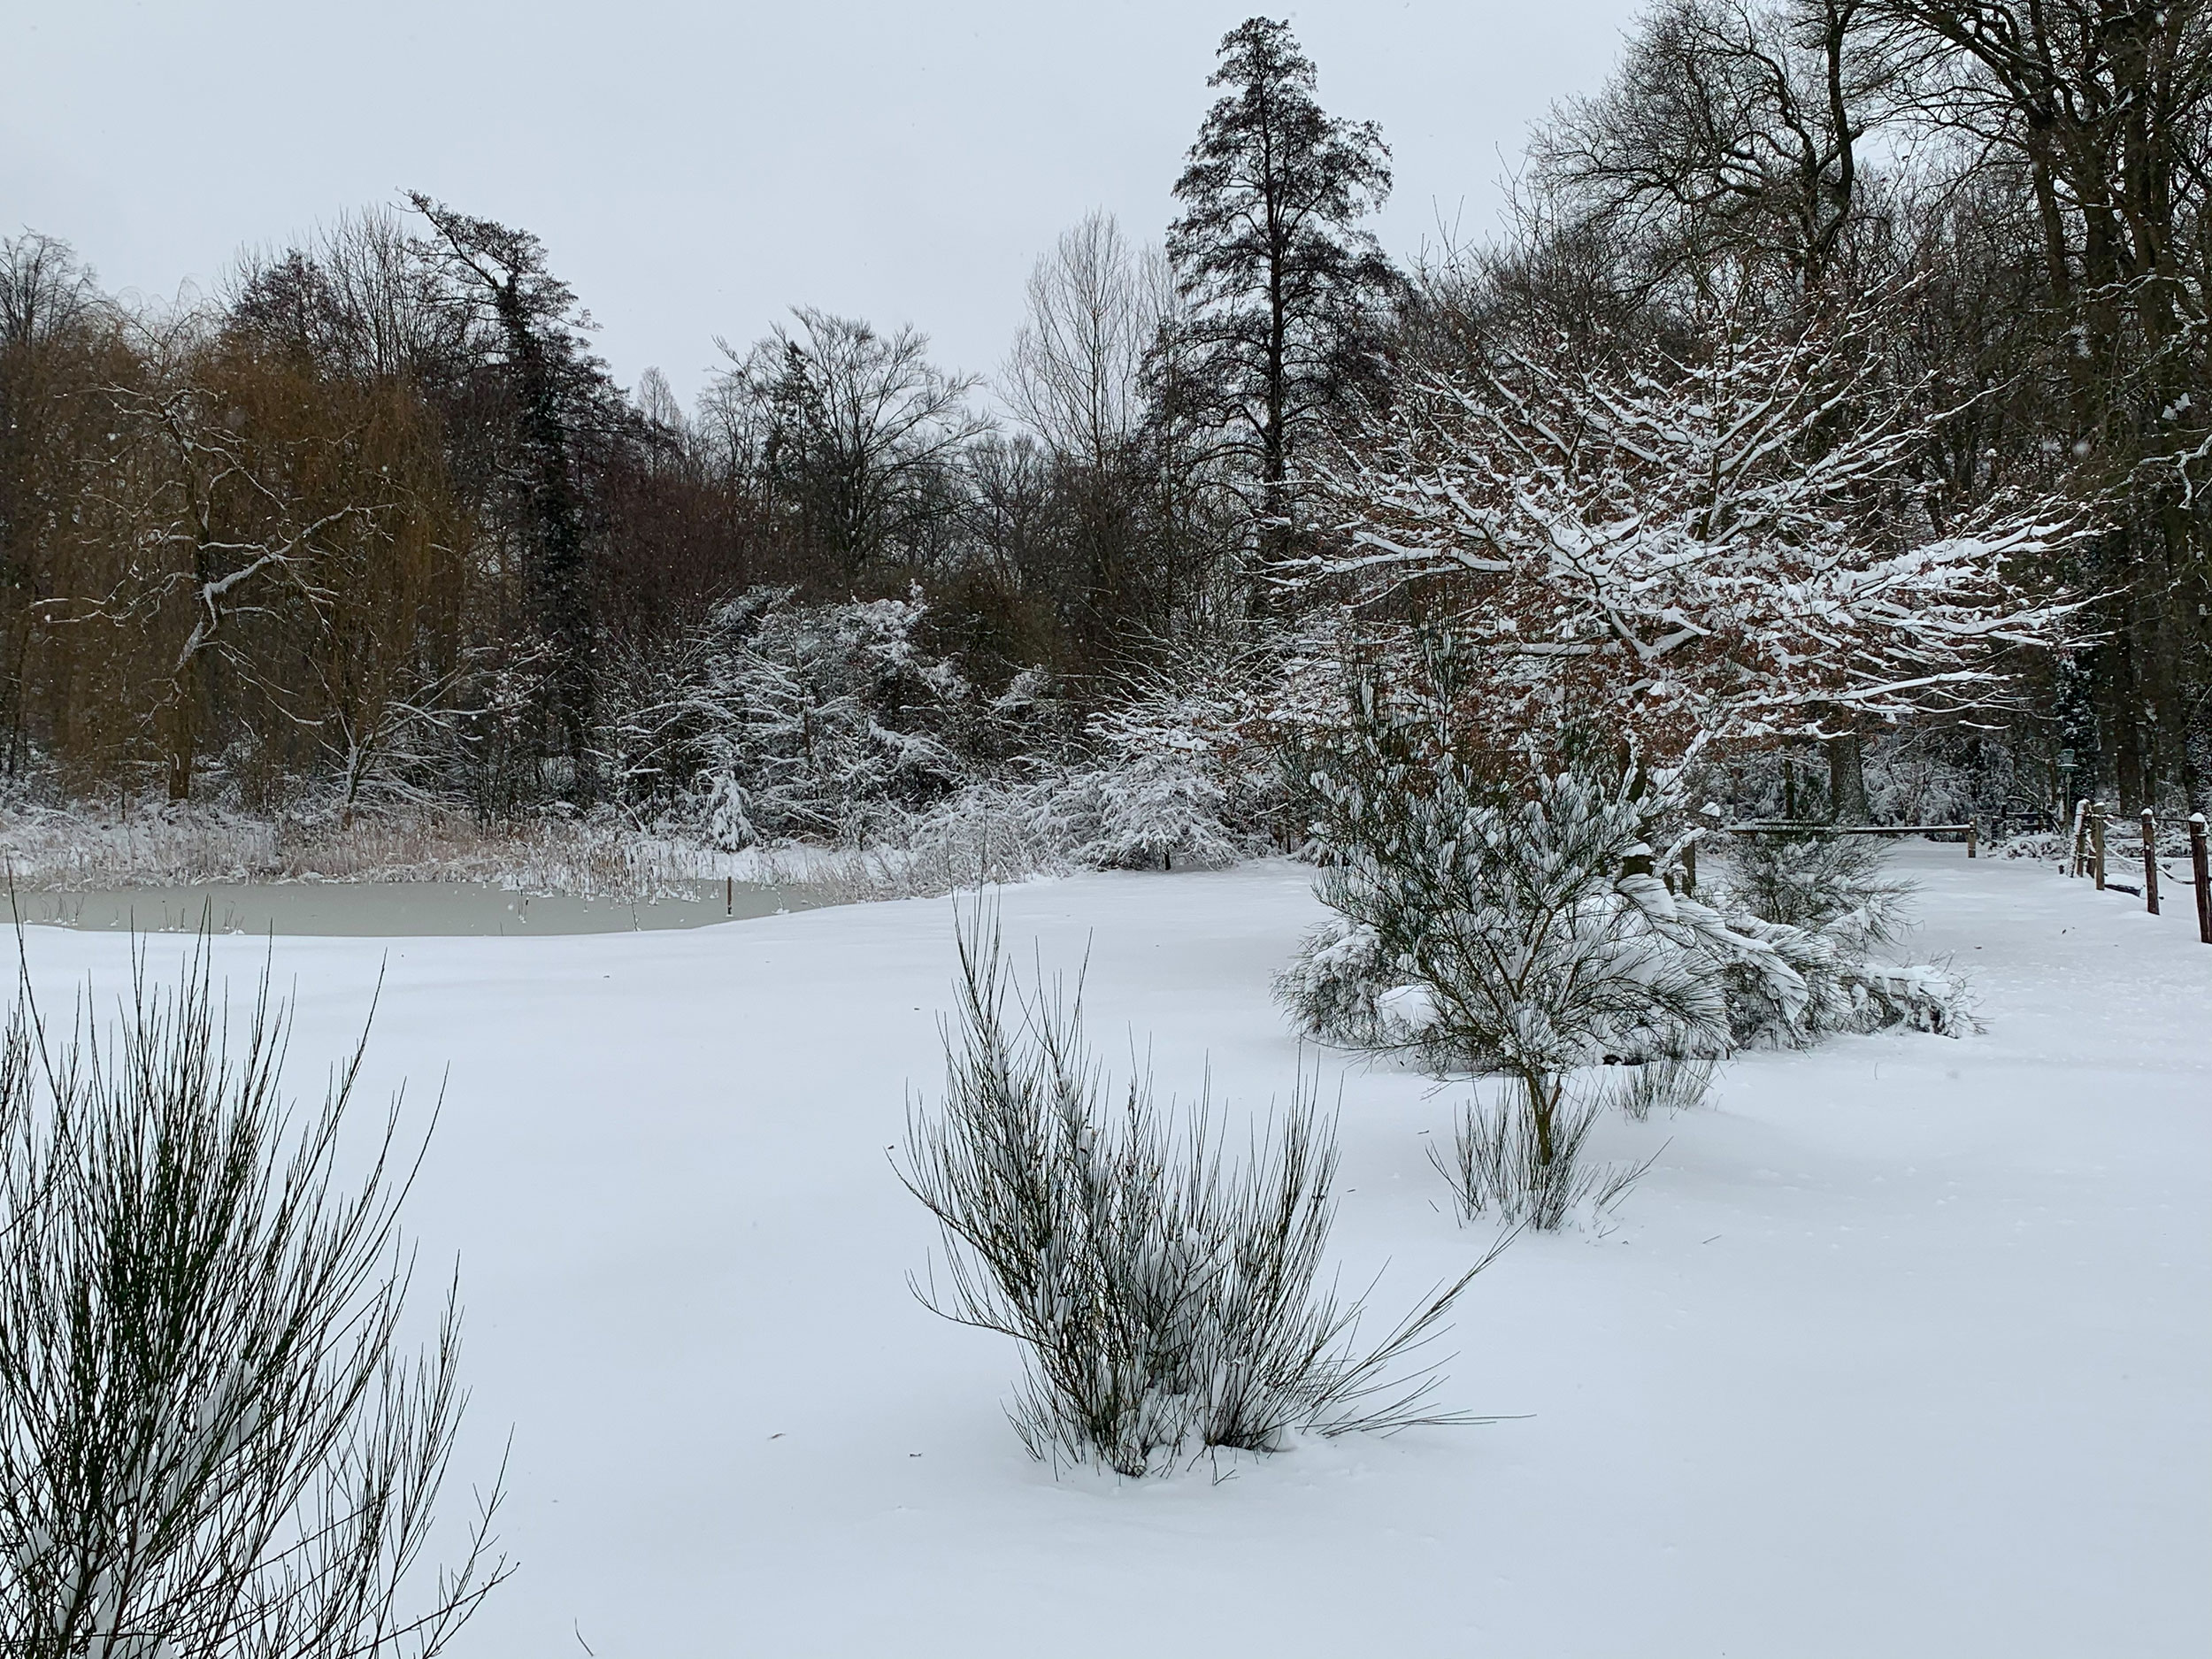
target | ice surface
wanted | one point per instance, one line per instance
(387, 909)
(1901, 1348)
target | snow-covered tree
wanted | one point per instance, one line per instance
(777, 719)
(1496, 916)
(1732, 546)
(1184, 771)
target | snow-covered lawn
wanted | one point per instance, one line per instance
(1904, 1346)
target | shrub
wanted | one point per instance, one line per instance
(212, 1440)
(1840, 886)
(1166, 1299)
(1668, 1082)
(1521, 1160)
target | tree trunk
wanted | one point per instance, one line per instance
(1847, 780)
(179, 739)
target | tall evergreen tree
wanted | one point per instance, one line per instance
(555, 385)
(1283, 290)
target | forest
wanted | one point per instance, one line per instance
(1828, 415)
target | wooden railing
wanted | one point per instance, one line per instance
(1970, 829)
(2086, 857)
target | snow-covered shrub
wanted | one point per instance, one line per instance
(1154, 811)
(1166, 1298)
(1788, 987)
(2047, 848)
(1821, 906)
(213, 1440)
(1184, 771)
(1837, 884)
(774, 720)
(1496, 915)
(1520, 900)
(1522, 1162)
(1344, 987)
(991, 832)
(1519, 919)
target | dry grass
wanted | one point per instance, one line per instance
(67, 850)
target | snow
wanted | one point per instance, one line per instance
(1900, 1348)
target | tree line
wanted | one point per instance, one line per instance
(1852, 352)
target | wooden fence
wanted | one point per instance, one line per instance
(2092, 849)
(1970, 829)
(2087, 857)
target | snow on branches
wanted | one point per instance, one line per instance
(778, 719)
(1734, 545)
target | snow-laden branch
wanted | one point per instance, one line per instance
(1738, 543)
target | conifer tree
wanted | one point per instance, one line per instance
(1283, 287)
(553, 380)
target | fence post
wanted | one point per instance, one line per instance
(2081, 831)
(2096, 842)
(2150, 861)
(2197, 862)
(1970, 833)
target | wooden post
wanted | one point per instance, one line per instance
(1971, 832)
(2081, 829)
(2096, 842)
(729, 895)
(2197, 862)
(2150, 861)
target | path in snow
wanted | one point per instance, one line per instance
(1901, 1348)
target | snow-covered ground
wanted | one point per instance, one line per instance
(1901, 1348)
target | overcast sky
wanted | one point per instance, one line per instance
(696, 166)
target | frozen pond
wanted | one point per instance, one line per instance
(394, 908)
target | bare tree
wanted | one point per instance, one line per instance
(1731, 134)
(2104, 112)
(44, 290)
(358, 300)
(851, 433)
(1076, 372)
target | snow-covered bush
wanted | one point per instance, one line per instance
(213, 1440)
(1154, 811)
(1497, 917)
(1824, 905)
(1520, 903)
(775, 720)
(1837, 884)
(990, 832)
(1185, 771)
(1790, 987)
(1166, 1298)
(1344, 986)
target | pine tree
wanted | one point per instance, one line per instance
(556, 386)
(1283, 290)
